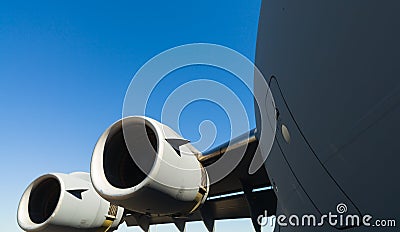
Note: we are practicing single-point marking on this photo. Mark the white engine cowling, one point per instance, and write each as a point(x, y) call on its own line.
point(66, 202)
point(145, 166)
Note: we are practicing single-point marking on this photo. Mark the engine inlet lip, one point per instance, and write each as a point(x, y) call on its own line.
point(97, 174)
point(23, 217)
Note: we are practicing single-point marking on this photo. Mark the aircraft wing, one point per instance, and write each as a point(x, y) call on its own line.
point(117, 190)
point(238, 195)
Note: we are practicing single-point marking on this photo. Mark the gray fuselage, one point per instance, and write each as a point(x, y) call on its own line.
point(334, 72)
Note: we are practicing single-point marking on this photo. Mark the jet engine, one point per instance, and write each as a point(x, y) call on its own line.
point(66, 203)
point(146, 167)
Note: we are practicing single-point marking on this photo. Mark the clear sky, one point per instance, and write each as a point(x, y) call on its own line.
point(65, 67)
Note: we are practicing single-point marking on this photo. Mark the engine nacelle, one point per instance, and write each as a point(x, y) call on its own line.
point(66, 203)
point(146, 167)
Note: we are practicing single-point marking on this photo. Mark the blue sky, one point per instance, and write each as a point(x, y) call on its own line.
point(65, 67)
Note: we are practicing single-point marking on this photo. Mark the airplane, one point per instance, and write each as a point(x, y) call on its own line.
point(332, 69)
